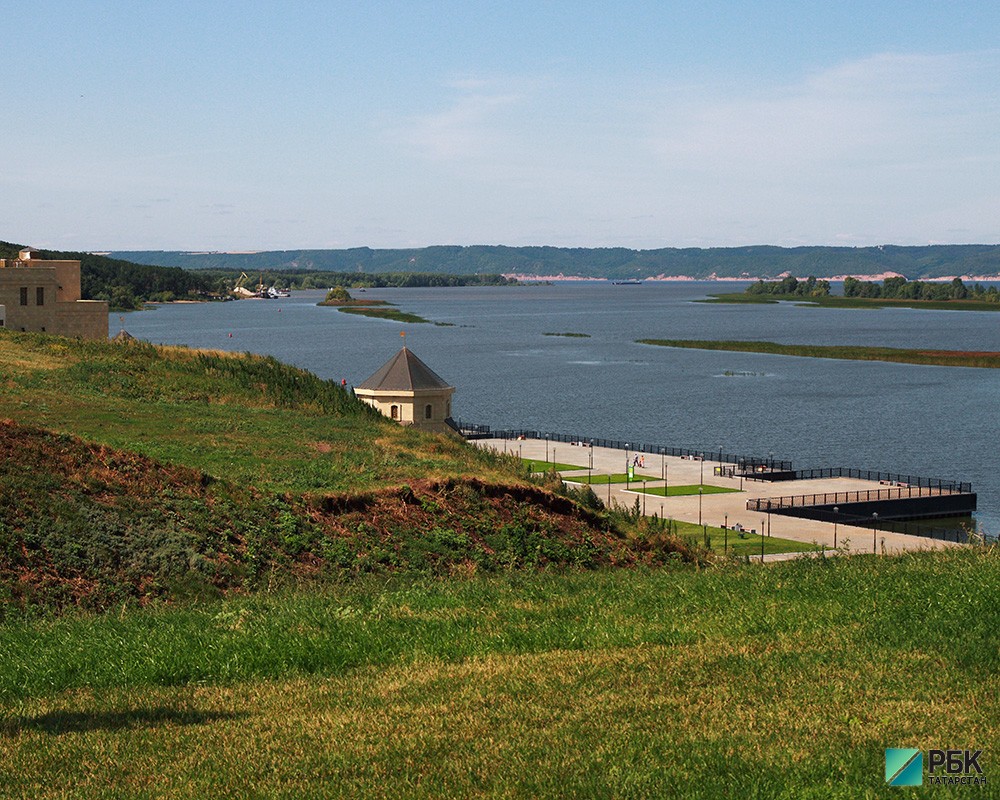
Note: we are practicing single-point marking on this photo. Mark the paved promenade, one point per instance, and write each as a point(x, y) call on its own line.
point(717, 509)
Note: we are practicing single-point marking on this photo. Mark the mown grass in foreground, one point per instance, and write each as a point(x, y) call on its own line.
point(944, 358)
point(783, 681)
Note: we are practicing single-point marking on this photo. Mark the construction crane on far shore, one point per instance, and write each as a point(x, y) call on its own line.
point(239, 289)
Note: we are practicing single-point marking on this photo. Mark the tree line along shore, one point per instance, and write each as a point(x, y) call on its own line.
point(952, 295)
point(128, 279)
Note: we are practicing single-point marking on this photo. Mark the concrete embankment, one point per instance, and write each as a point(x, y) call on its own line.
point(716, 509)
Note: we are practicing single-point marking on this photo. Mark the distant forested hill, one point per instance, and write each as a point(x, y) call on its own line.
point(763, 261)
point(125, 285)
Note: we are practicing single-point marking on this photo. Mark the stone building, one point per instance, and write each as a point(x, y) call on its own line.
point(407, 390)
point(43, 296)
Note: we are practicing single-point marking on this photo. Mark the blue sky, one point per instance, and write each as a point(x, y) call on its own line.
point(240, 126)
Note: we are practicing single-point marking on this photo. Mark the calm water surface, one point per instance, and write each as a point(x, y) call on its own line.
point(940, 422)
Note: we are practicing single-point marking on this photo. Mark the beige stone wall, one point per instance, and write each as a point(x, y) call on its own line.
point(86, 319)
point(68, 280)
point(61, 311)
point(411, 407)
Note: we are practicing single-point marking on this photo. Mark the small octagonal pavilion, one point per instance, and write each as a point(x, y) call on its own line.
point(407, 390)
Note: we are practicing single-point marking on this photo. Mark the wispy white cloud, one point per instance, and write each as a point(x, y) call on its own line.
point(893, 147)
point(888, 108)
point(472, 125)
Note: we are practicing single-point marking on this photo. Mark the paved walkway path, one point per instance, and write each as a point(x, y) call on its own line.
point(717, 509)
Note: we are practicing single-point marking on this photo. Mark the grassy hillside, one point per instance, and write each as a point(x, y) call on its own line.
point(781, 682)
point(247, 419)
point(132, 472)
point(361, 624)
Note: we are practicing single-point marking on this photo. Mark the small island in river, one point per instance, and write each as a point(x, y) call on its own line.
point(942, 358)
point(894, 291)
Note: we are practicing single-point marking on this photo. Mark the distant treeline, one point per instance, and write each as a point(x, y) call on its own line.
point(810, 287)
point(127, 285)
point(761, 261)
point(123, 284)
point(902, 289)
point(889, 289)
point(224, 280)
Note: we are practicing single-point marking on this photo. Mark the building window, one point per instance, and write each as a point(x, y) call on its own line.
point(24, 295)
point(40, 296)
point(428, 411)
point(394, 412)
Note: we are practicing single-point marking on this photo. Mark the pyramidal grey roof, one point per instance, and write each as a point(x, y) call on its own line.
point(404, 372)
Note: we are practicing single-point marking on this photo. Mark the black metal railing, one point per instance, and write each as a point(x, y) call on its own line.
point(475, 431)
point(892, 478)
point(912, 526)
point(845, 498)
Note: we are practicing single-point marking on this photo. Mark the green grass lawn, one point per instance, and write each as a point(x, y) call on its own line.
point(599, 479)
point(748, 544)
point(539, 465)
point(782, 681)
point(674, 491)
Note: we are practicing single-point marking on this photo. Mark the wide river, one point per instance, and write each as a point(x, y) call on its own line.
point(939, 422)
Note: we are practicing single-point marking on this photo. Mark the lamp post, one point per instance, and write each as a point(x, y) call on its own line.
point(700, 490)
point(701, 480)
point(644, 497)
point(836, 515)
point(875, 532)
